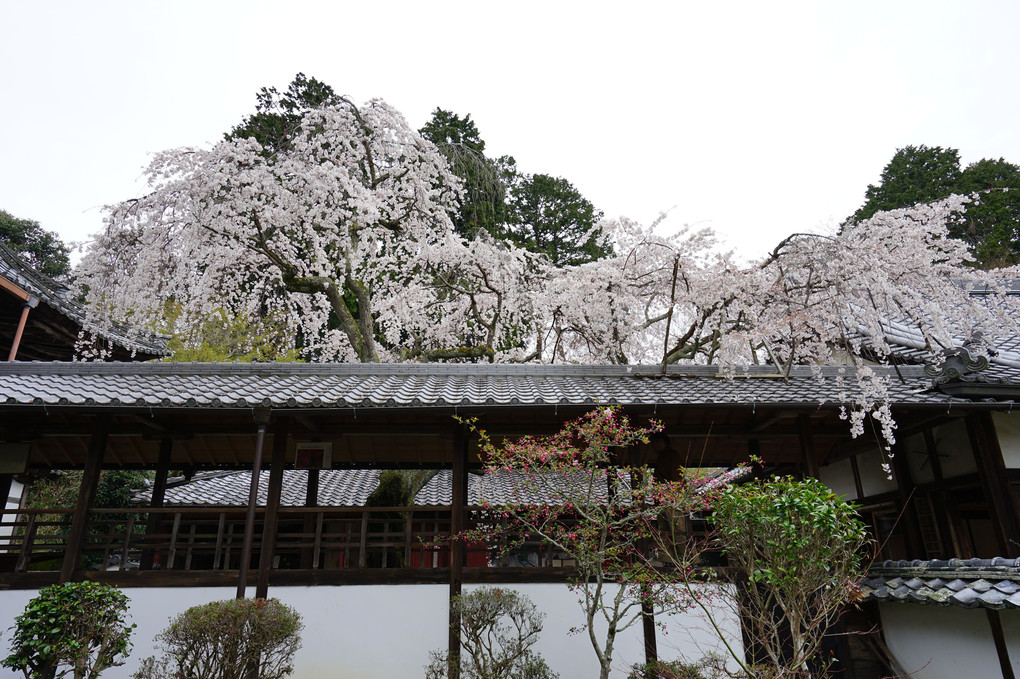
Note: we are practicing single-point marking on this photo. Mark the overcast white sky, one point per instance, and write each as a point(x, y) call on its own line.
point(757, 118)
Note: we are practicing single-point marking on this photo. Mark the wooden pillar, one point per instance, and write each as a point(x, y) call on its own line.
point(30, 304)
point(269, 526)
point(86, 496)
point(807, 446)
point(648, 627)
point(311, 500)
point(156, 502)
point(262, 418)
point(992, 472)
point(458, 500)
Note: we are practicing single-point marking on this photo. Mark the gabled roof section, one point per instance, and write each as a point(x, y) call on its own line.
point(344, 386)
point(56, 319)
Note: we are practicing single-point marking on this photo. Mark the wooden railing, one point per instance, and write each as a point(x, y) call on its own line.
point(211, 538)
point(193, 538)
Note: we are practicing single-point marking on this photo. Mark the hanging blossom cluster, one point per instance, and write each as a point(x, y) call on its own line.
point(345, 241)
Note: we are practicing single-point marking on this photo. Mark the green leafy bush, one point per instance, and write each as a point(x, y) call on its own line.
point(797, 551)
point(712, 666)
point(226, 640)
point(77, 628)
point(498, 628)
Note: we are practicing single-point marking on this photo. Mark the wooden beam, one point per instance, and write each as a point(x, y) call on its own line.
point(86, 496)
point(992, 471)
point(270, 523)
point(1000, 643)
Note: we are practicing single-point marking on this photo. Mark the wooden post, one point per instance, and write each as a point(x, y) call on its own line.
point(309, 555)
point(269, 525)
point(29, 305)
point(261, 417)
point(992, 472)
point(648, 627)
point(156, 502)
point(458, 500)
point(86, 497)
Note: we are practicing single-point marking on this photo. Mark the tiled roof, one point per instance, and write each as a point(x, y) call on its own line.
point(58, 296)
point(970, 583)
point(304, 385)
point(908, 344)
point(337, 488)
point(351, 488)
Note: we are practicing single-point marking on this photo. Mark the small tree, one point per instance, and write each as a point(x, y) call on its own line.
point(575, 495)
point(797, 549)
point(227, 640)
point(498, 629)
point(77, 628)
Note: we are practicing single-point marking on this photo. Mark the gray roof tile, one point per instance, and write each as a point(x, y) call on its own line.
point(297, 385)
point(970, 583)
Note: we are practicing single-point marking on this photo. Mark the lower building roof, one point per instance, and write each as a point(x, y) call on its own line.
point(968, 583)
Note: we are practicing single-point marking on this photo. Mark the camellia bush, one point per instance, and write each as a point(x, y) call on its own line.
point(228, 640)
point(797, 549)
point(75, 628)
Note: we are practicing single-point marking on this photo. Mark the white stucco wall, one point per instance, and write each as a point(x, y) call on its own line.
point(934, 642)
point(346, 634)
point(1007, 426)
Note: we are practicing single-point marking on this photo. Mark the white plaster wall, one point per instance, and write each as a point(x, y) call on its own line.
point(839, 478)
point(347, 636)
point(1007, 426)
point(934, 642)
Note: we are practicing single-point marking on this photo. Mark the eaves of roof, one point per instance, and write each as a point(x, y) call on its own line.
point(57, 296)
point(967, 583)
point(339, 386)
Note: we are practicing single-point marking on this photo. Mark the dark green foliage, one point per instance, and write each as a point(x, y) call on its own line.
point(277, 117)
point(397, 488)
point(42, 250)
point(76, 628)
point(991, 225)
point(498, 627)
point(226, 640)
point(60, 491)
point(549, 215)
point(483, 206)
point(919, 174)
point(916, 174)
